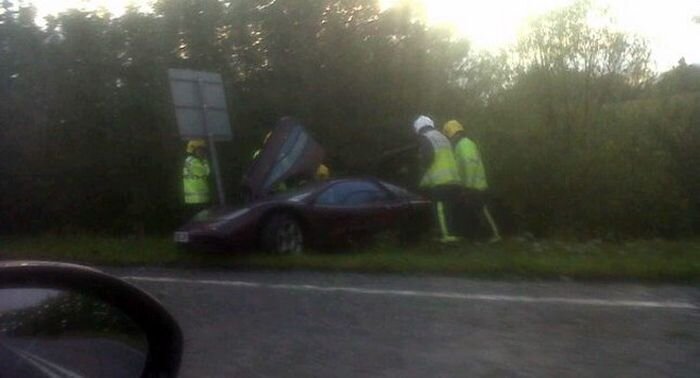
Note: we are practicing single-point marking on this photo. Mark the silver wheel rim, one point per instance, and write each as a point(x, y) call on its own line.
point(289, 239)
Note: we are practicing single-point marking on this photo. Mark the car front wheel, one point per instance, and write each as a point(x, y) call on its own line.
point(283, 234)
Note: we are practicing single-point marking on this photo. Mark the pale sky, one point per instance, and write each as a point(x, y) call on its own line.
point(494, 24)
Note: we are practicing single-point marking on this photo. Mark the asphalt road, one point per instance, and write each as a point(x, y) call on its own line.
point(347, 325)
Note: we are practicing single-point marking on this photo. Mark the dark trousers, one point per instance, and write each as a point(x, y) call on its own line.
point(468, 213)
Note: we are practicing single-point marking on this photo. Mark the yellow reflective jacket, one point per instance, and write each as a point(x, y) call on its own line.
point(471, 167)
point(195, 180)
point(443, 168)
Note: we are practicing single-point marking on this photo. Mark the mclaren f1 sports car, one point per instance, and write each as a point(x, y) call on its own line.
point(314, 213)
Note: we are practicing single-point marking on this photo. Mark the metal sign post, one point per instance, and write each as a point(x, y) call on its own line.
point(217, 171)
point(200, 108)
point(212, 146)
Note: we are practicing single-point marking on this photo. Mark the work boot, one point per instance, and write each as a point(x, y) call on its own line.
point(449, 239)
point(495, 239)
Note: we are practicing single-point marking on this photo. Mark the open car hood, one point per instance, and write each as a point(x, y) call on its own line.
point(289, 152)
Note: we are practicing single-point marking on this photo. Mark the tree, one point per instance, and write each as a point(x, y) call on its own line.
point(563, 130)
point(89, 140)
point(23, 114)
point(564, 41)
point(683, 78)
point(576, 67)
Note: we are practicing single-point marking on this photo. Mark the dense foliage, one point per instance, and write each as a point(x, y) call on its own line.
point(578, 135)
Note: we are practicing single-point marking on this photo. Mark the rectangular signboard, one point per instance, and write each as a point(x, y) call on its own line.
point(200, 104)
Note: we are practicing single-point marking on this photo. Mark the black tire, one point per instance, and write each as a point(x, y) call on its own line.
point(282, 234)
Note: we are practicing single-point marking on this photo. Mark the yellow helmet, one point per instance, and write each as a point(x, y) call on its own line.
point(451, 128)
point(195, 144)
point(323, 173)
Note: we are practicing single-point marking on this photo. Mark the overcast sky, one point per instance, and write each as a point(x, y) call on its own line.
point(495, 24)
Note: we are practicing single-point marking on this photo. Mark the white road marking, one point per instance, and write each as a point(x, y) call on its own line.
point(40, 367)
point(432, 294)
point(46, 367)
point(66, 373)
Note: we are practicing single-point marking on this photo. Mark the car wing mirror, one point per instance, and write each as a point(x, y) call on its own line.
point(64, 320)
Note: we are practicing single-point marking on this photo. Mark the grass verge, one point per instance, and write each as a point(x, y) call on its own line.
point(657, 261)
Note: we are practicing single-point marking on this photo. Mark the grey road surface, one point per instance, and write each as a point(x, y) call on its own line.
point(240, 324)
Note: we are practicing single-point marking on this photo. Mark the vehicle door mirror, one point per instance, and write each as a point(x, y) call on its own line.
point(61, 320)
point(67, 332)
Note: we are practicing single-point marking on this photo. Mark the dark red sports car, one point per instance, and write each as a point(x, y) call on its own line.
point(318, 212)
point(321, 213)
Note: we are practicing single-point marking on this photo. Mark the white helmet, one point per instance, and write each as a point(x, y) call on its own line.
point(422, 122)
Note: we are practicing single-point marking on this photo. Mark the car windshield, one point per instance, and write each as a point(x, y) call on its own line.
point(352, 193)
point(379, 188)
